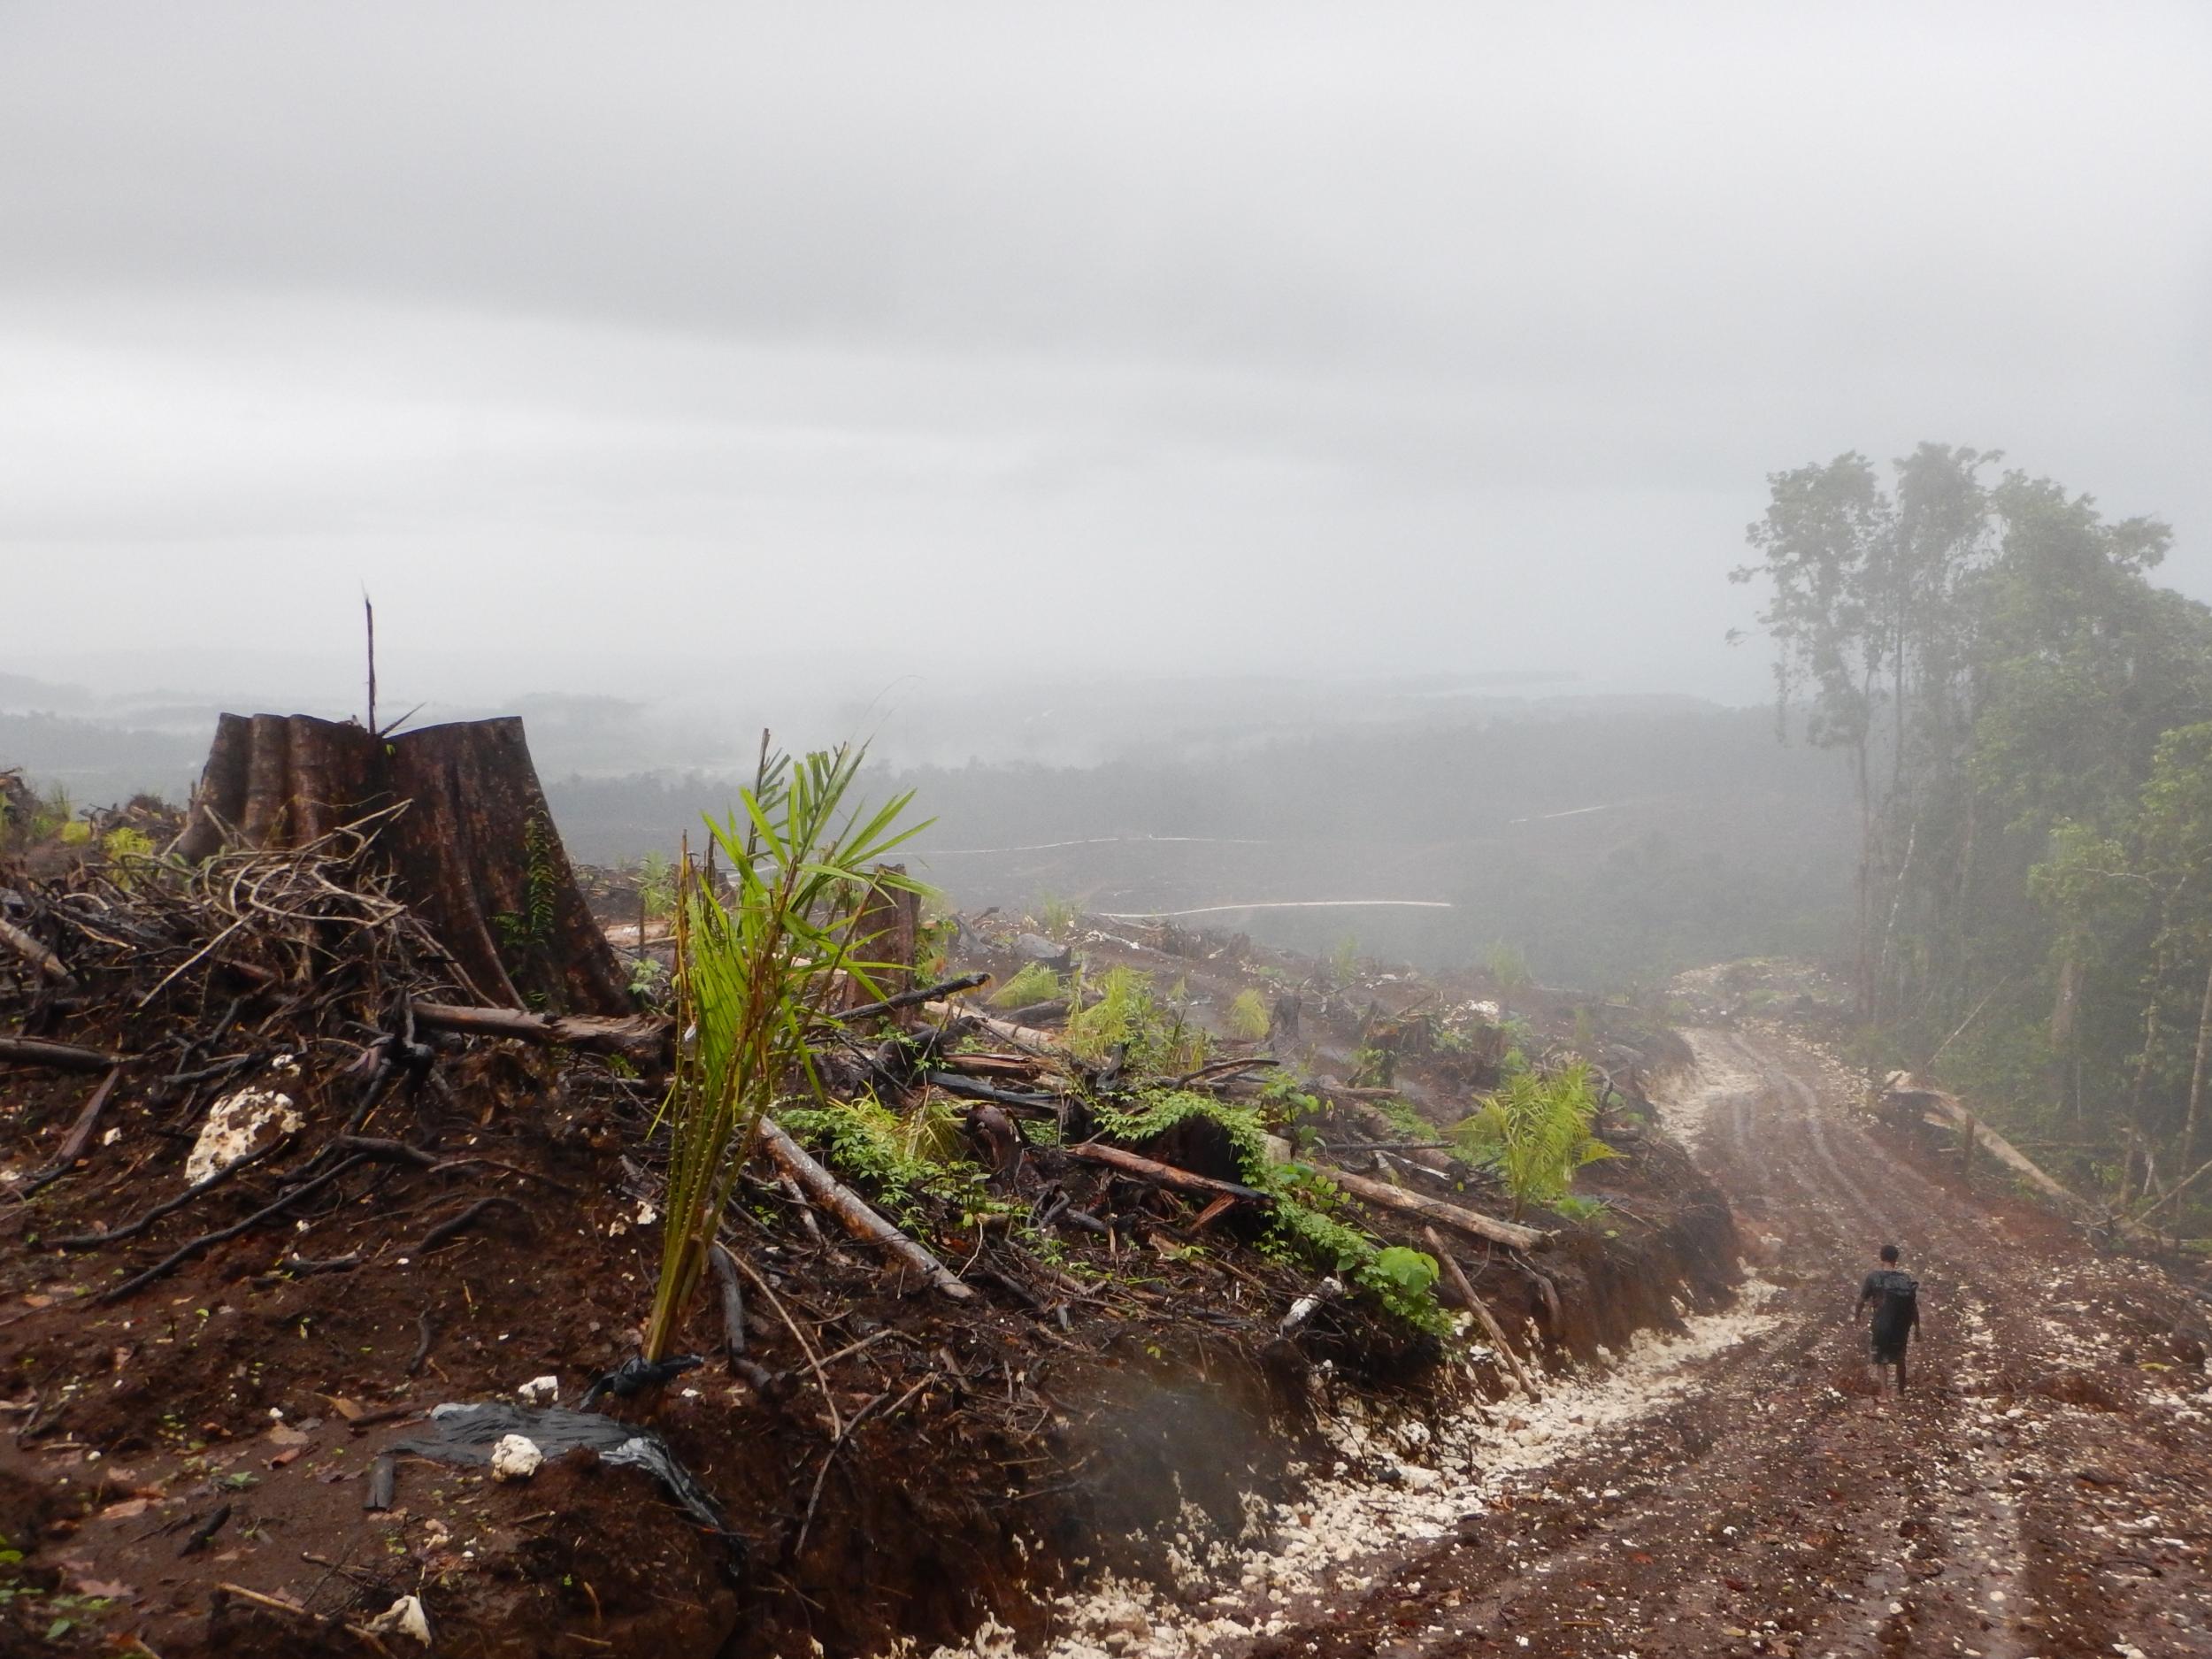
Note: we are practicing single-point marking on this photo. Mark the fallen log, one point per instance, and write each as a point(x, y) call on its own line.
point(27, 948)
point(1385, 1196)
point(1005, 1031)
point(968, 1089)
point(1168, 1175)
point(66, 1056)
point(1901, 1089)
point(636, 1036)
point(1020, 1067)
point(853, 1211)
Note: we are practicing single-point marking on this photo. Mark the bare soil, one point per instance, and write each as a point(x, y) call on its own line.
point(2042, 1489)
point(184, 1467)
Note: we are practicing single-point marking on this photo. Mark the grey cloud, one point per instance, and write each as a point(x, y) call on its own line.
point(1443, 336)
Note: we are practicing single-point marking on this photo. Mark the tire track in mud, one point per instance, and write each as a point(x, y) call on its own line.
point(1752, 1497)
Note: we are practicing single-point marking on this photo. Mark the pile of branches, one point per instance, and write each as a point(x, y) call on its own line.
point(136, 946)
point(178, 983)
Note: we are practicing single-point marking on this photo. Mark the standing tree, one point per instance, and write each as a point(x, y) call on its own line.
point(1870, 610)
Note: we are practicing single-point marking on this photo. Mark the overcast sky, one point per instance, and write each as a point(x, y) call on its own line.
point(604, 343)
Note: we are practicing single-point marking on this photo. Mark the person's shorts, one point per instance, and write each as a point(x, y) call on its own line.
point(1889, 1351)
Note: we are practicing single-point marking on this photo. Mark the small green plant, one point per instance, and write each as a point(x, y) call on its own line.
point(1410, 1273)
point(1344, 961)
point(123, 842)
point(1035, 983)
point(1249, 1016)
point(1535, 1132)
point(54, 815)
point(752, 975)
point(1373, 1068)
point(655, 886)
point(1305, 1225)
point(525, 936)
point(648, 979)
point(1401, 1117)
point(126, 848)
point(901, 1161)
point(1129, 1016)
point(1058, 917)
point(933, 945)
point(1577, 1208)
point(1126, 1014)
point(1507, 966)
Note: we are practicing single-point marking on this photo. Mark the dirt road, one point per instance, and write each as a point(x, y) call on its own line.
point(2045, 1490)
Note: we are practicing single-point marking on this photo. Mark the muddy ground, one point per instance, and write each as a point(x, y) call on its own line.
point(185, 1464)
point(2045, 1488)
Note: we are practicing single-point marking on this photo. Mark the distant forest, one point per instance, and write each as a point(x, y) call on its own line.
point(1607, 847)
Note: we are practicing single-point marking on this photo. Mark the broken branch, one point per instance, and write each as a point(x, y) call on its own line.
point(1385, 1196)
point(637, 1037)
point(1475, 1305)
point(847, 1206)
point(1160, 1174)
point(79, 1136)
point(67, 1057)
point(27, 948)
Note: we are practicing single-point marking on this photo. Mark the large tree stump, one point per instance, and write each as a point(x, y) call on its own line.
point(474, 853)
point(886, 939)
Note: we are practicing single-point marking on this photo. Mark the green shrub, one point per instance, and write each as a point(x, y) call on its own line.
point(1057, 917)
point(1508, 967)
point(899, 1161)
point(1035, 983)
point(1129, 1016)
point(1535, 1132)
point(656, 885)
point(1249, 1017)
point(1304, 1225)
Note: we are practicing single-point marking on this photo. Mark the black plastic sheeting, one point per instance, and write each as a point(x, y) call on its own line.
point(466, 1435)
point(636, 1374)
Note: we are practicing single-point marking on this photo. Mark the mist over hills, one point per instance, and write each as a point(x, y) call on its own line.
point(1608, 838)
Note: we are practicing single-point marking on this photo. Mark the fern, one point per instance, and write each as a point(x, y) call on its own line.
point(1535, 1132)
point(1035, 983)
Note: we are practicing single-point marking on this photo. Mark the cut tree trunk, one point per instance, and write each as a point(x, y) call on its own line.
point(474, 853)
point(886, 936)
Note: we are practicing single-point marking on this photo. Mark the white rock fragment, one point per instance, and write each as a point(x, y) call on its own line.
point(241, 1123)
point(540, 1391)
point(404, 1618)
point(515, 1457)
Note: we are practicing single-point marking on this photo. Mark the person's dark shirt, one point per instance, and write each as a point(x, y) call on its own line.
point(1894, 1316)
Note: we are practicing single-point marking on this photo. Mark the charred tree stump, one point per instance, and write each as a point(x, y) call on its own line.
point(474, 854)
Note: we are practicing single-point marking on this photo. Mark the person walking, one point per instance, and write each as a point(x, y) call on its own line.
point(1894, 1295)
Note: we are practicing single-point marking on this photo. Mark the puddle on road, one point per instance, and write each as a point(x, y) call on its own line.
point(1395, 1483)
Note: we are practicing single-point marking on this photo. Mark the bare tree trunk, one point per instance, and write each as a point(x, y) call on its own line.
point(2196, 1075)
point(1865, 966)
